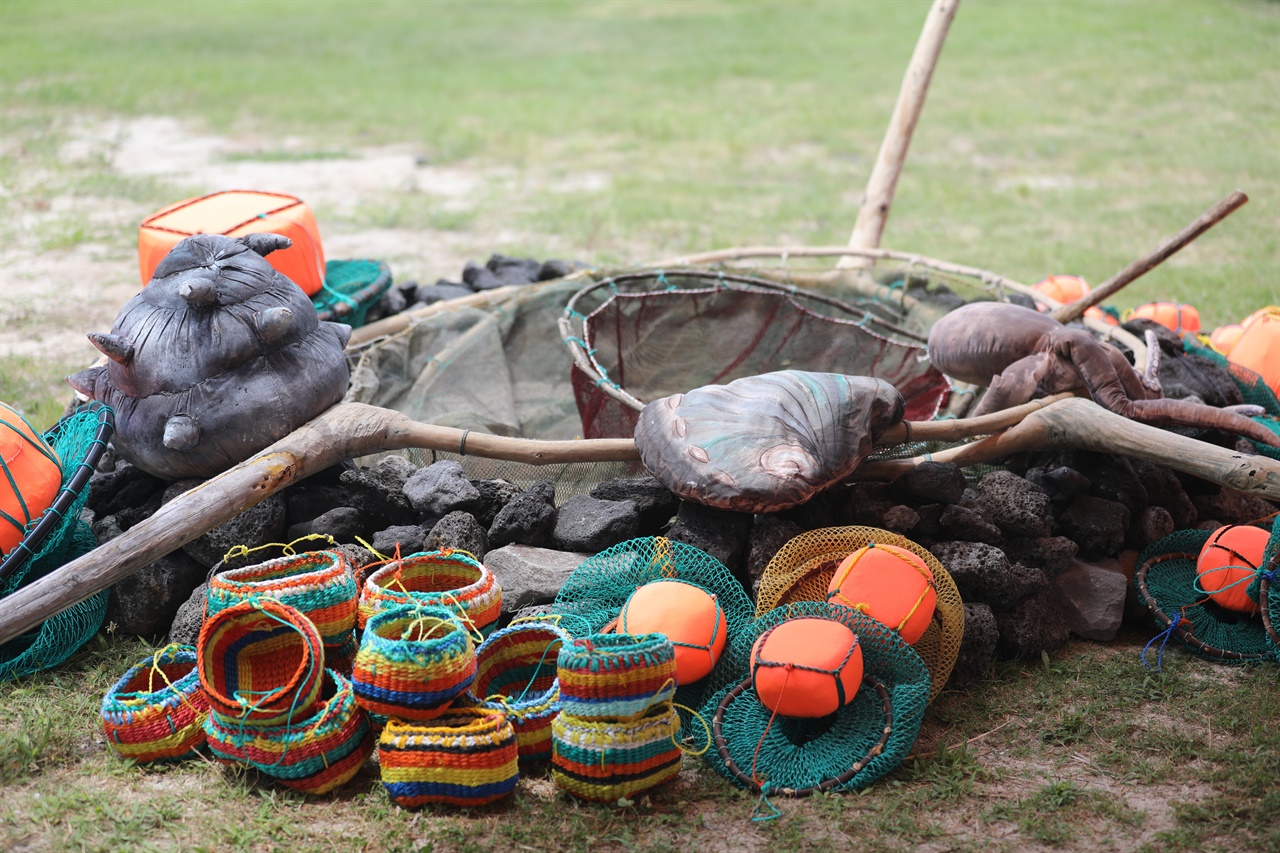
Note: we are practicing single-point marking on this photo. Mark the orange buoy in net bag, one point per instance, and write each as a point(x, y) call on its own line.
point(890, 584)
point(689, 615)
point(806, 667)
point(1258, 347)
point(235, 213)
point(1177, 316)
point(1228, 562)
point(1062, 288)
point(30, 476)
point(1224, 338)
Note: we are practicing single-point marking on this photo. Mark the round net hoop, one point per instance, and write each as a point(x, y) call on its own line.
point(803, 568)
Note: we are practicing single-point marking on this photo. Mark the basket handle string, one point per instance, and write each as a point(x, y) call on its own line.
point(706, 728)
point(362, 574)
point(243, 551)
point(156, 670)
point(541, 661)
point(458, 608)
point(1163, 636)
point(758, 814)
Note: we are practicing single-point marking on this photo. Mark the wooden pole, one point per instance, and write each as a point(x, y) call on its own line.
point(1142, 266)
point(897, 139)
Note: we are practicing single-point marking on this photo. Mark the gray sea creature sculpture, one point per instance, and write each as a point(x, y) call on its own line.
point(218, 357)
point(765, 443)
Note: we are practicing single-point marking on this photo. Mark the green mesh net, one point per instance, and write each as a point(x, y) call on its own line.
point(350, 289)
point(1264, 589)
point(1252, 388)
point(596, 591)
point(55, 538)
point(1166, 584)
point(843, 751)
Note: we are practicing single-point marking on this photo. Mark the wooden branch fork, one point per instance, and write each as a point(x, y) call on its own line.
point(351, 430)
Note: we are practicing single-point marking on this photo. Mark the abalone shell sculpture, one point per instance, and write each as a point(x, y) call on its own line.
point(217, 358)
point(765, 443)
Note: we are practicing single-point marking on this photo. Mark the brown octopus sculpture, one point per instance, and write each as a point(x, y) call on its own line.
point(1021, 354)
point(218, 357)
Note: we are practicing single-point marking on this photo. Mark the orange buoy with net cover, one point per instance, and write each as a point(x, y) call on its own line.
point(1227, 563)
point(689, 615)
point(1178, 316)
point(806, 667)
point(890, 584)
point(1224, 338)
point(1258, 347)
point(30, 476)
point(235, 213)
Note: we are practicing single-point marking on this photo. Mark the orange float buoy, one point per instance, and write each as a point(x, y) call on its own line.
point(235, 213)
point(1258, 347)
point(1062, 289)
point(806, 667)
point(30, 476)
point(1178, 316)
point(890, 584)
point(1228, 562)
point(1224, 338)
point(691, 618)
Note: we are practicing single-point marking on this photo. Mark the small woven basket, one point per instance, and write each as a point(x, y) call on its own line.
point(452, 578)
point(516, 674)
point(605, 760)
point(317, 583)
point(615, 675)
point(414, 660)
point(156, 712)
point(260, 662)
point(313, 755)
point(466, 757)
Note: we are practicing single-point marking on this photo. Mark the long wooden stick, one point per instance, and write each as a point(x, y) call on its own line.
point(1142, 266)
point(869, 225)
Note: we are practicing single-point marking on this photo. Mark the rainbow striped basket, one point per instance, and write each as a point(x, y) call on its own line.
point(516, 674)
point(615, 675)
point(605, 760)
point(156, 712)
point(260, 662)
point(414, 660)
point(452, 578)
point(320, 584)
point(466, 757)
point(313, 755)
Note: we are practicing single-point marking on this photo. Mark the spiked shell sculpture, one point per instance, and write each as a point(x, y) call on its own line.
point(218, 357)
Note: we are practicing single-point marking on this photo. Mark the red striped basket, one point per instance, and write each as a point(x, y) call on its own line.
point(452, 578)
point(516, 674)
point(313, 755)
point(156, 712)
point(260, 662)
point(466, 757)
point(414, 660)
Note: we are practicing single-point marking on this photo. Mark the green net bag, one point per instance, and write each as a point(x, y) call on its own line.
point(1263, 589)
point(350, 289)
point(1166, 583)
point(850, 749)
point(58, 536)
point(1252, 388)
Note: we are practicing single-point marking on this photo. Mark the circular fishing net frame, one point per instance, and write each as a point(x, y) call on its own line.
point(803, 568)
point(1166, 583)
point(847, 750)
point(350, 289)
point(1262, 589)
point(58, 536)
point(595, 592)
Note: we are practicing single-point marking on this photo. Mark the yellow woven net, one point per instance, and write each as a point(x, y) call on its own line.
point(803, 568)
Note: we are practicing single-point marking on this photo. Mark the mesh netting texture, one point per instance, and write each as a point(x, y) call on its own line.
point(1264, 589)
point(803, 568)
point(350, 289)
point(1252, 387)
point(1166, 583)
point(844, 751)
point(56, 538)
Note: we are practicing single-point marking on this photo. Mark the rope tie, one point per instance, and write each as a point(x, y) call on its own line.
point(706, 729)
point(1163, 636)
point(759, 813)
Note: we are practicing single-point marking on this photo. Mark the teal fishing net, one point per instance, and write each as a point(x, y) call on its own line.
point(1264, 589)
point(55, 538)
point(1166, 584)
point(1252, 388)
point(843, 751)
point(350, 289)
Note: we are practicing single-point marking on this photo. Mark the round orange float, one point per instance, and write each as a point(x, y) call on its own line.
point(806, 667)
point(1178, 316)
point(890, 584)
point(1228, 562)
point(32, 476)
point(1062, 288)
point(1224, 338)
point(690, 617)
point(1258, 347)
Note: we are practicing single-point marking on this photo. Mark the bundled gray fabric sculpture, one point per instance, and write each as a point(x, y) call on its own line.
point(218, 357)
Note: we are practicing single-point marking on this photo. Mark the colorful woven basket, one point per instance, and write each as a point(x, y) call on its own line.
point(516, 673)
point(605, 760)
point(260, 662)
point(466, 757)
point(317, 583)
point(156, 712)
point(313, 755)
point(452, 578)
point(413, 662)
point(343, 658)
point(615, 675)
